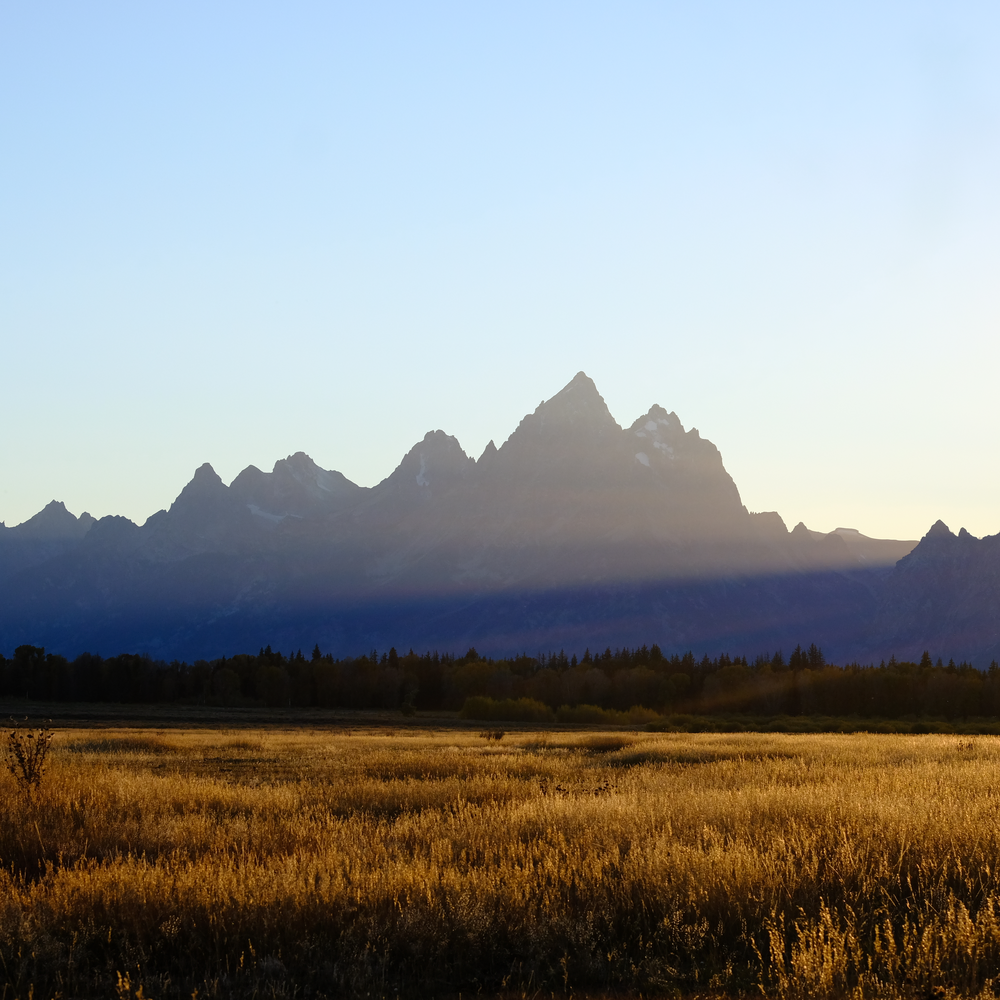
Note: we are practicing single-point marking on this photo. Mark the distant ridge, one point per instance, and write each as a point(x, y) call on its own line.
point(573, 527)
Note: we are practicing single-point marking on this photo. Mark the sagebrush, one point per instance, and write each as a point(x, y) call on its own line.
point(25, 752)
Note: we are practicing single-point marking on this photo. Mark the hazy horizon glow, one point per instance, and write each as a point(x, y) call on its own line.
point(235, 233)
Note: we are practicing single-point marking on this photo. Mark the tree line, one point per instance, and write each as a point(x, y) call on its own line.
point(622, 679)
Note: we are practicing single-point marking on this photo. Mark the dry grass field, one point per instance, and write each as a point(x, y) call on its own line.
point(412, 862)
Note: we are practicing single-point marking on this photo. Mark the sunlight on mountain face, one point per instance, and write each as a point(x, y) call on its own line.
point(575, 532)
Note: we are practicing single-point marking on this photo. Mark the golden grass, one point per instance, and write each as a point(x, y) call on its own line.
point(281, 863)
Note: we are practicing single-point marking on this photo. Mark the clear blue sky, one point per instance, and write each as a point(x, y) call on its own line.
point(231, 231)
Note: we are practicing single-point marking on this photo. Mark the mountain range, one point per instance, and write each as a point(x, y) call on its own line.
point(575, 533)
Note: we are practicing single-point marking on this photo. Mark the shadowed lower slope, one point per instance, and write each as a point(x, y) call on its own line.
point(575, 531)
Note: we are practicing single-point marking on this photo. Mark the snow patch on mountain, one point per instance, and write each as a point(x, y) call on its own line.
point(257, 512)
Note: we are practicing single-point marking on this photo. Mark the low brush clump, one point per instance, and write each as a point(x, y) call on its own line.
point(121, 744)
point(794, 866)
point(25, 754)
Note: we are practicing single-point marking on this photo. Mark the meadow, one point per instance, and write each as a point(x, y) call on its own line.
point(280, 862)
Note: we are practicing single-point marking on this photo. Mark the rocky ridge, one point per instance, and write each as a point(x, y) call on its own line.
point(574, 526)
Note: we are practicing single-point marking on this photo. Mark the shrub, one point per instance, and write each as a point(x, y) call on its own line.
point(129, 744)
point(637, 715)
point(25, 752)
point(594, 715)
point(485, 709)
point(605, 743)
point(588, 714)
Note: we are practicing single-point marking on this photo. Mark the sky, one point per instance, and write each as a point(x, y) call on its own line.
point(234, 231)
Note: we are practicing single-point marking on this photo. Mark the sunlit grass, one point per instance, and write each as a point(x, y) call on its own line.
point(285, 862)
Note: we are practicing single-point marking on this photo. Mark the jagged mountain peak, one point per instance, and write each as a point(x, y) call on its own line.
point(54, 510)
point(315, 480)
point(115, 529)
point(939, 530)
point(658, 421)
point(656, 434)
point(299, 466)
point(578, 404)
point(661, 416)
point(299, 462)
point(205, 475)
point(205, 485)
point(54, 522)
point(441, 441)
point(437, 459)
point(251, 474)
point(939, 542)
point(296, 486)
point(564, 429)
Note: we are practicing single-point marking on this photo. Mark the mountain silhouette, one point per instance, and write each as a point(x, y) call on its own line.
point(574, 532)
point(944, 595)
